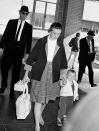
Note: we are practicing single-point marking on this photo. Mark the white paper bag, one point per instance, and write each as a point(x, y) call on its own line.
point(23, 104)
point(19, 86)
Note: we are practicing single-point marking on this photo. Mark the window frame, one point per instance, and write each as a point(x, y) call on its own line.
point(45, 12)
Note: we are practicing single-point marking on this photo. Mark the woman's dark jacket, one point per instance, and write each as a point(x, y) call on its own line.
point(38, 59)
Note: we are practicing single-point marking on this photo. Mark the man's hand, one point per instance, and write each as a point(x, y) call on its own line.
point(27, 67)
point(77, 98)
point(25, 58)
point(1, 51)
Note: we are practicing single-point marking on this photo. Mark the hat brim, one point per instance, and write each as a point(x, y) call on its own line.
point(90, 34)
point(24, 11)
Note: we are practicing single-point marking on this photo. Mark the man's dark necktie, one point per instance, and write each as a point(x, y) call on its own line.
point(72, 87)
point(17, 33)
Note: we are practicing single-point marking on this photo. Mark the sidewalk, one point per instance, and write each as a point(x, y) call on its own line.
point(85, 86)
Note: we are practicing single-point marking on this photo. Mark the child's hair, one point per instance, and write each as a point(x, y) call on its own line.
point(71, 71)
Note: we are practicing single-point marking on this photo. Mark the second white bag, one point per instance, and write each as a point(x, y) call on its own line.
point(19, 86)
point(23, 104)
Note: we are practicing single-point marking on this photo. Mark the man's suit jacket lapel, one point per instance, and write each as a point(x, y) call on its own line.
point(46, 47)
point(15, 25)
point(85, 44)
point(86, 41)
point(88, 45)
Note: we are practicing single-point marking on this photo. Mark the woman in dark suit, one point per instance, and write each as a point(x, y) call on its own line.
point(86, 57)
point(47, 63)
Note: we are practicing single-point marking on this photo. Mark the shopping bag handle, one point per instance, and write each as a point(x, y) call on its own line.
point(26, 78)
point(25, 91)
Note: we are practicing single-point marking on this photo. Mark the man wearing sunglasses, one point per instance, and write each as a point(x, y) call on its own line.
point(16, 46)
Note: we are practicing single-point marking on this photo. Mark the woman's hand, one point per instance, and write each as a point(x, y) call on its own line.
point(27, 67)
point(26, 78)
point(77, 98)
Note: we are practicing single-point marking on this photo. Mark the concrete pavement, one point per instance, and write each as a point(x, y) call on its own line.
point(85, 86)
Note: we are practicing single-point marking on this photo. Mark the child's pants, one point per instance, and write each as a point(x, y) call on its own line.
point(65, 106)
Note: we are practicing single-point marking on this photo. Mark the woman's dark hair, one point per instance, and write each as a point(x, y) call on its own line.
point(55, 25)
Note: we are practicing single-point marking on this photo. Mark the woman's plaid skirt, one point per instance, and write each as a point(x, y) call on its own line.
point(44, 90)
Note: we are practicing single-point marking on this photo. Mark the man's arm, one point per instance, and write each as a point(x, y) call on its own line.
point(28, 46)
point(5, 35)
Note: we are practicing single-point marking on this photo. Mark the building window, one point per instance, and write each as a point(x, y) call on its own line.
point(91, 9)
point(43, 15)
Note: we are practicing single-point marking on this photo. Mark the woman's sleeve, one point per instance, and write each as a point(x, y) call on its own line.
point(64, 64)
point(33, 54)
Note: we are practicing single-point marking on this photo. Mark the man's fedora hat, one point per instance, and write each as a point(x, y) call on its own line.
point(91, 33)
point(24, 9)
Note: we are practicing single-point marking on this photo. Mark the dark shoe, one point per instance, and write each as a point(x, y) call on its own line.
point(12, 96)
point(93, 85)
point(72, 68)
point(78, 82)
point(2, 89)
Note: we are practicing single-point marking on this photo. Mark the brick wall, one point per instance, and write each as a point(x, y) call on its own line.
point(74, 16)
point(69, 13)
point(61, 12)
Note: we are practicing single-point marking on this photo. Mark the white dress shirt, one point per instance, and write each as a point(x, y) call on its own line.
point(90, 45)
point(23, 22)
point(51, 49)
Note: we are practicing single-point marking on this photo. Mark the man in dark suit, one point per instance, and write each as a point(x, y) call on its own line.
point(16, 46)
point(86, 57)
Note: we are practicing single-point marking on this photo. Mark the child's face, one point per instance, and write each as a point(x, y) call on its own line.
point(71, 76)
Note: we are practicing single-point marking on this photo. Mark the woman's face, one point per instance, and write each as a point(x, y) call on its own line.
point(55, 33)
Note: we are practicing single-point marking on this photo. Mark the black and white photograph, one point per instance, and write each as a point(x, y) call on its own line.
point(49, 65)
